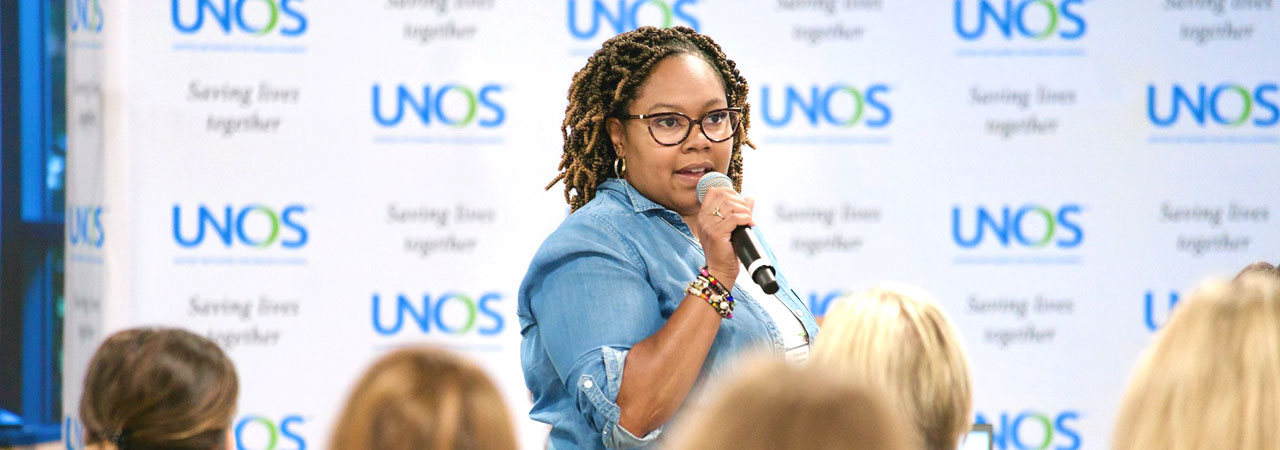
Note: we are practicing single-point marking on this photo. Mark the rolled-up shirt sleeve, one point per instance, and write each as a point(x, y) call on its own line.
point(593, 302)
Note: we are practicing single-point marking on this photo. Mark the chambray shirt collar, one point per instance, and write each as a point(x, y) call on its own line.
point(639, 203)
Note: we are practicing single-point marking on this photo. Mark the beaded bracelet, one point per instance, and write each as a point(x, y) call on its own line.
point(709, 289)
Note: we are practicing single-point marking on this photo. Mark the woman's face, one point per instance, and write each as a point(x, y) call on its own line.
point(669, 175)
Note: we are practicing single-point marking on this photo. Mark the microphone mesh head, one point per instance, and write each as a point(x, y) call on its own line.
point(712, 180)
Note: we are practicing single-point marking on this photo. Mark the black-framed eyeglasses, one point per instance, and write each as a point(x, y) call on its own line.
point(672, 128)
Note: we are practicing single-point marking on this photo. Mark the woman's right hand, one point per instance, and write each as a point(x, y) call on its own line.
point(714, 231)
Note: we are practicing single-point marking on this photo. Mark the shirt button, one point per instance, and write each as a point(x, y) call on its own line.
point(587, 384)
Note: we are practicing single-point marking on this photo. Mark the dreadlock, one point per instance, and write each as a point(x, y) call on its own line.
point(605, 87)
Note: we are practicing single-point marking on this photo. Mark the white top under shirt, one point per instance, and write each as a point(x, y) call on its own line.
point(794, 340)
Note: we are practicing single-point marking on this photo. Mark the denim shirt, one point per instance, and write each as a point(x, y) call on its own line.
point(607, 278)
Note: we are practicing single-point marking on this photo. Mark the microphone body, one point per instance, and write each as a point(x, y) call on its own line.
point(743, 240)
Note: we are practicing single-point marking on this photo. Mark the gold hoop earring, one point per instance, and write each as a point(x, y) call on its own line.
point(620, 171)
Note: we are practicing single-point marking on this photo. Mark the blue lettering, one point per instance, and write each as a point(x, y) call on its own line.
point(1017, 426)
point(985, 10)
point(290, 434)
point(499, 114)
point(86, 227)
point(73, 434)
point(86, 15)
point(764, 107)
point(983, 220)
point(817, 104)
point(1149, 309)
point(680, 13)
point(819, 305)
point(439, 105)
point(227, 13)
point(223, 17)
point(810, 109)
point(623, 16)
point(286, 219)
point(428, 106)
point(1008, 433)
point(300, 21)
point(465, 326)
point(1065, 223)
point(1179, 98)
point(489, 312)
point(426, 313)
point(1022, 23)
point(879, 105)
point(1069, 432)
point(598, 10)
point(403, 96)
point(1213, 104)
point(1010, 17)
point(1017, 228)
point(270, 22)
point(275, 226)
point(1261, 101)
point(1073, 17)
point(205, 218)
point(97, 225)
point(422, 317)
point(858, 104)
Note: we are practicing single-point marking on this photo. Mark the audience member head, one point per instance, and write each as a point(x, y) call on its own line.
point(1262, 267)
point(1211, 378)
point(158, 388)
point(896, 337)
point(771, 405)
point(423, 398)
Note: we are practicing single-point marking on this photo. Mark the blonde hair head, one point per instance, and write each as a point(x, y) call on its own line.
point(424, 398)
point(771, 405)
point(895, 336)
point(1211, 378)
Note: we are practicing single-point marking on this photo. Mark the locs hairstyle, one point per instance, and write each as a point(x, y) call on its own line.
point(605, 87)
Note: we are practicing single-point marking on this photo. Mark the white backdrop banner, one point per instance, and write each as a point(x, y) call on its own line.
point(312, 183)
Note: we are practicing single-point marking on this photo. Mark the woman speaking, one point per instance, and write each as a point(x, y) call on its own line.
point(637, 296)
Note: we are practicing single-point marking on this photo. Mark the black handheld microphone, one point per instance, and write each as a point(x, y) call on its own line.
point(743, 239)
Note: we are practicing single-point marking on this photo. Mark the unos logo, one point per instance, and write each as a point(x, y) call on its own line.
point(256, 17)
point(819, 303)
point(626, 15)
point(1031, 430)
point(838, 105)
point(260, 433)
point(1032, 226)
point(450, 312)
point(1035, 19)
point(1227, 104)
point(1151, 306)
point(463, 105)
point(84, 227)
point(85, 15)
point(254, 225)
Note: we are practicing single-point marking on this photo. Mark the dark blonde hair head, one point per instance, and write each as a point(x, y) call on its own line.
point(775, 406)
point(424, 398)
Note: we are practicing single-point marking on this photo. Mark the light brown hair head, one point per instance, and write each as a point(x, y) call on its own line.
point(424, 398)
point(158, 388)
point(775, 406)
point(1211, 378)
